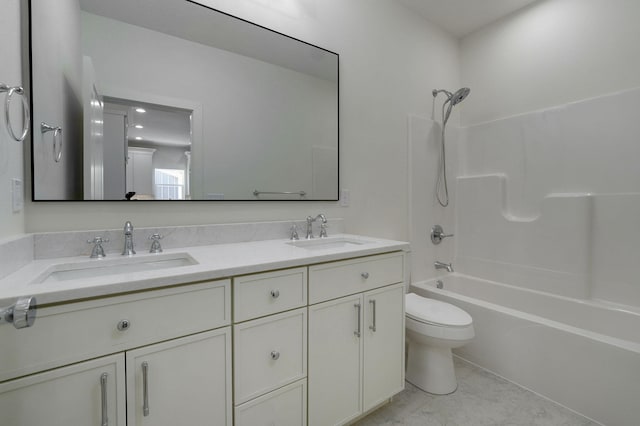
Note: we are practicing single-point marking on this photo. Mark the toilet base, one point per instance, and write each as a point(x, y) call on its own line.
point(430, 368)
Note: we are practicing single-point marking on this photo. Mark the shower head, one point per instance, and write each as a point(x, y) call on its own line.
point(459, 96)
point(454, 98)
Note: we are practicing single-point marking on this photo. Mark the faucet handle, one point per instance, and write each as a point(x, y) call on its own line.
point(323, 229)
point(437, 234)
point(98, 240)
point(294, 232)
point(98, 250)
point(155, 245)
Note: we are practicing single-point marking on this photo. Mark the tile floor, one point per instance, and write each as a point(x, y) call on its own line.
point(482, 399)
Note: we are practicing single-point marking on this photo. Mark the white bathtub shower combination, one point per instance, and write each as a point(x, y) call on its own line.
point(546, 248)
point(583, 355)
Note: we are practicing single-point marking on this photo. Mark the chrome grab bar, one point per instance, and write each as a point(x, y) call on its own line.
point(25, 111)
point(300, 193)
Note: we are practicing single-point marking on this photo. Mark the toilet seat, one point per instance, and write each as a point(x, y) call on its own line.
point(435, 312)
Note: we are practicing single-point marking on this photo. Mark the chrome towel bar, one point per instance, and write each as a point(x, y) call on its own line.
point(300, 193)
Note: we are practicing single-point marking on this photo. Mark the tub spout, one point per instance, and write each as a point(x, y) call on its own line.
point(442, 265)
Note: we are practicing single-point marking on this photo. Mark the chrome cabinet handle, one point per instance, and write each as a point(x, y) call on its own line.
point(372, 327)
point(364, 275)
point(275, 355)
point(124, 325)
point(358, 308)
point(145, 388)
point(275, 293)
point(103, 394)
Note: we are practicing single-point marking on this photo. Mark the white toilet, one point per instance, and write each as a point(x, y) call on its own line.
point(433, 329)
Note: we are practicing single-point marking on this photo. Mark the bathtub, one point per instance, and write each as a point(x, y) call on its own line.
point(582, 354)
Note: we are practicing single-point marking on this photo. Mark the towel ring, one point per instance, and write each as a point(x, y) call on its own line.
point(57, 139)
point(25, 109)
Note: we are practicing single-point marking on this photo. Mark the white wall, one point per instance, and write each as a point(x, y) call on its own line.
point(390, 60)
point(11, 152)
point(551, 53)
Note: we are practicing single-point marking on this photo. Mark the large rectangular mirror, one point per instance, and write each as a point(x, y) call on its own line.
point(173, 100)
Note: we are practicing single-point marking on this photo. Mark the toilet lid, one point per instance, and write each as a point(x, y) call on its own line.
point(433, 311)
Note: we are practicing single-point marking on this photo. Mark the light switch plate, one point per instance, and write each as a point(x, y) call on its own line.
point(345, 197)
point(17, 194)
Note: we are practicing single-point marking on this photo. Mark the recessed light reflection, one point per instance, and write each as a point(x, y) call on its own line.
point(139, 126)
point(141, 110)
point(138, 138)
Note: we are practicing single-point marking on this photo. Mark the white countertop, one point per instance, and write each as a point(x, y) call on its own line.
point(214, 262)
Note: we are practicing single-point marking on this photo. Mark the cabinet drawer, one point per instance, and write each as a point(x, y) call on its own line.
point(337, 279)
point(283, 407)
point(265, 294)
point(269, 353)
point(76, 331)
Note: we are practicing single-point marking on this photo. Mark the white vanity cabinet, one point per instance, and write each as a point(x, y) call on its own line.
point(182, 333)
point(270, 348)
point(356, 342)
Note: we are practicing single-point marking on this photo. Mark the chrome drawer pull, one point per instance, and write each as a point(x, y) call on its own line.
point(145, 388)
point(358, 308)
point(372, 327)
point(275, 293)
point(275, 355)
point(365, 275)
point(103, 394)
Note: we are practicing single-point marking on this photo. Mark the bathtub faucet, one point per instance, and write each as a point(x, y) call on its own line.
point(442, 265)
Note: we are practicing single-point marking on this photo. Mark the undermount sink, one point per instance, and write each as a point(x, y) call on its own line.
point(114, 266)
point(327, 243)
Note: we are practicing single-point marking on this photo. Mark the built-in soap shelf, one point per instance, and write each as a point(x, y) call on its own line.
point(503, 182)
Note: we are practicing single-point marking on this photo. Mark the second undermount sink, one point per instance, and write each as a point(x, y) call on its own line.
point(113, 266)
point(327, 243)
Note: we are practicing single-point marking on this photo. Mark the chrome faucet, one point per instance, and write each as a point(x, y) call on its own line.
point(128, 240)
point(323, 226)
point(442, 265)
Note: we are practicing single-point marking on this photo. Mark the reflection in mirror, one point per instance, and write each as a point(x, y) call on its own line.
point(233, 111)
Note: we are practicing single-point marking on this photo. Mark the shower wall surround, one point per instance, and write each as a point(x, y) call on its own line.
point(550, 200)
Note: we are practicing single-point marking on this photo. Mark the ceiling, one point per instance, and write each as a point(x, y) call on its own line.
point(462, 17)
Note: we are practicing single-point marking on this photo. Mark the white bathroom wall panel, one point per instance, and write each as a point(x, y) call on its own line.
point(11, 152)
point(616, 250)
point(548, 253)
point(424, 210)
point(588, 147)
point(390, 60)
point(550, 53)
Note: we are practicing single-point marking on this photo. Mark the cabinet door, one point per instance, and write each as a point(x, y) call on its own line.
point(88, 393)
point(335, 361)
point(182, 381)
point(383, 332)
